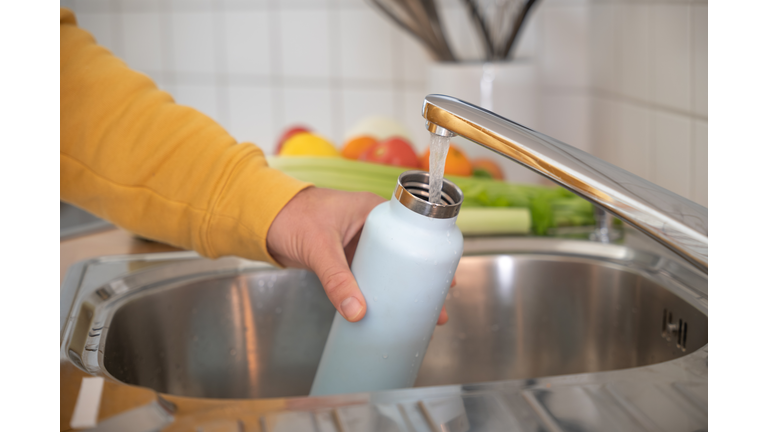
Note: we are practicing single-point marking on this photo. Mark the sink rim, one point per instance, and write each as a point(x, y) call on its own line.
point(189, 265)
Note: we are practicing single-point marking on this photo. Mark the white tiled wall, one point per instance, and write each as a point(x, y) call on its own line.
point(649, 90)
point(259, 66)
point(623, 79)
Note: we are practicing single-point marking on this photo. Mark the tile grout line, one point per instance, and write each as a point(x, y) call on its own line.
point(166, 48)
point(221, 68)
point(612, 135)
point(117, 28)
point(398, 62)
point(276, 84)
point(617, 97)
point(652, 148)
point(336, 81)
point(253, 79)
point(692, 31)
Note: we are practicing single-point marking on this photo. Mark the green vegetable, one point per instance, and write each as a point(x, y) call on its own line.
point(494, 220)
point(490, 206)
point(481, 173)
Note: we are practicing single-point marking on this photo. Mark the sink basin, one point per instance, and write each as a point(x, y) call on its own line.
point(520, 310)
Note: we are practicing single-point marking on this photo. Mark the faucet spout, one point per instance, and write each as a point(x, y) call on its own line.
point(439, 130)
point(674, 221)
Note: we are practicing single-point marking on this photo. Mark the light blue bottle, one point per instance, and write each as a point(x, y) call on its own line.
point(406, 258)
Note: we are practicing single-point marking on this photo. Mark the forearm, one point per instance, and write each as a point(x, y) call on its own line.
point(164, 171)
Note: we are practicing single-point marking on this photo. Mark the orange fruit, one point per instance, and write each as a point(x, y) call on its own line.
point(357, 146)
point(488, 166)
point(456, 163)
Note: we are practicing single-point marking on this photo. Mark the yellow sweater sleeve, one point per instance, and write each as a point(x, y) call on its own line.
point(130, 155)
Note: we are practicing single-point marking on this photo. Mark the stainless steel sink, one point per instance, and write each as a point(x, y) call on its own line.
point(543, 326)
point(260, 333)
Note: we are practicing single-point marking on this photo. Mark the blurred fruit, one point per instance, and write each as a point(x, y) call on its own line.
point(308, 144)
point(483, 167)
point(357, 146)
point(291, 131)
point(378, 127)
point(394, 151)
point(456, 163)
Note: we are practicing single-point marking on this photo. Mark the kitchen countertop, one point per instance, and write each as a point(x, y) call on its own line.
point(113, 242)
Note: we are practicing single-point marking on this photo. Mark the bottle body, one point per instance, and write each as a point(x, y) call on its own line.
point(404, 264)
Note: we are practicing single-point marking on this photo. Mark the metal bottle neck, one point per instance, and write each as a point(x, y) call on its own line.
point(413, 192)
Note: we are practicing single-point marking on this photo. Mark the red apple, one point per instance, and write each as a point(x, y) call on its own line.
point(393, 151)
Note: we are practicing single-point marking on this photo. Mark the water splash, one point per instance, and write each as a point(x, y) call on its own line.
point(438, 150)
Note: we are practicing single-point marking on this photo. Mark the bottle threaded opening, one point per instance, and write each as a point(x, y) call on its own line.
point(413, 192)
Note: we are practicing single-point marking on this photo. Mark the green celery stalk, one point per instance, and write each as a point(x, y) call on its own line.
point(490, 206)
point(494, 220)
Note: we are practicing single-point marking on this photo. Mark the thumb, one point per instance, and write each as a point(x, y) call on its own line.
point(330, 265)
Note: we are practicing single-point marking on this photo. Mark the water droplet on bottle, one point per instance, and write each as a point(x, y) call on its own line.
point(194, 311)
point(194, 338)
point(375, 298)
point(384, 356)
point(416, 301)
point(417, 354)
point(278, 310)
point(232, 352)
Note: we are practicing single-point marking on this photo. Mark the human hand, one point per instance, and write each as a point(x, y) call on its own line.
point(318, 230)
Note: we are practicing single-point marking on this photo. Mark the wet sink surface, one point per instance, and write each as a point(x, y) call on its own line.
point(259, 332)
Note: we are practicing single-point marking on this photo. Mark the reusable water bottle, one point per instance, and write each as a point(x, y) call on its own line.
point(404, 263)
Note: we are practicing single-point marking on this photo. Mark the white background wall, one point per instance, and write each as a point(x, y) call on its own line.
point(623, 79)
point(648, 88)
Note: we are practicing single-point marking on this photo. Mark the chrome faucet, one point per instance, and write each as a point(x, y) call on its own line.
point(674, 221)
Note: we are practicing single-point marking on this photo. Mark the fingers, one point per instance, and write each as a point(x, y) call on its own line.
point(329, 262)
point(443, 318)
